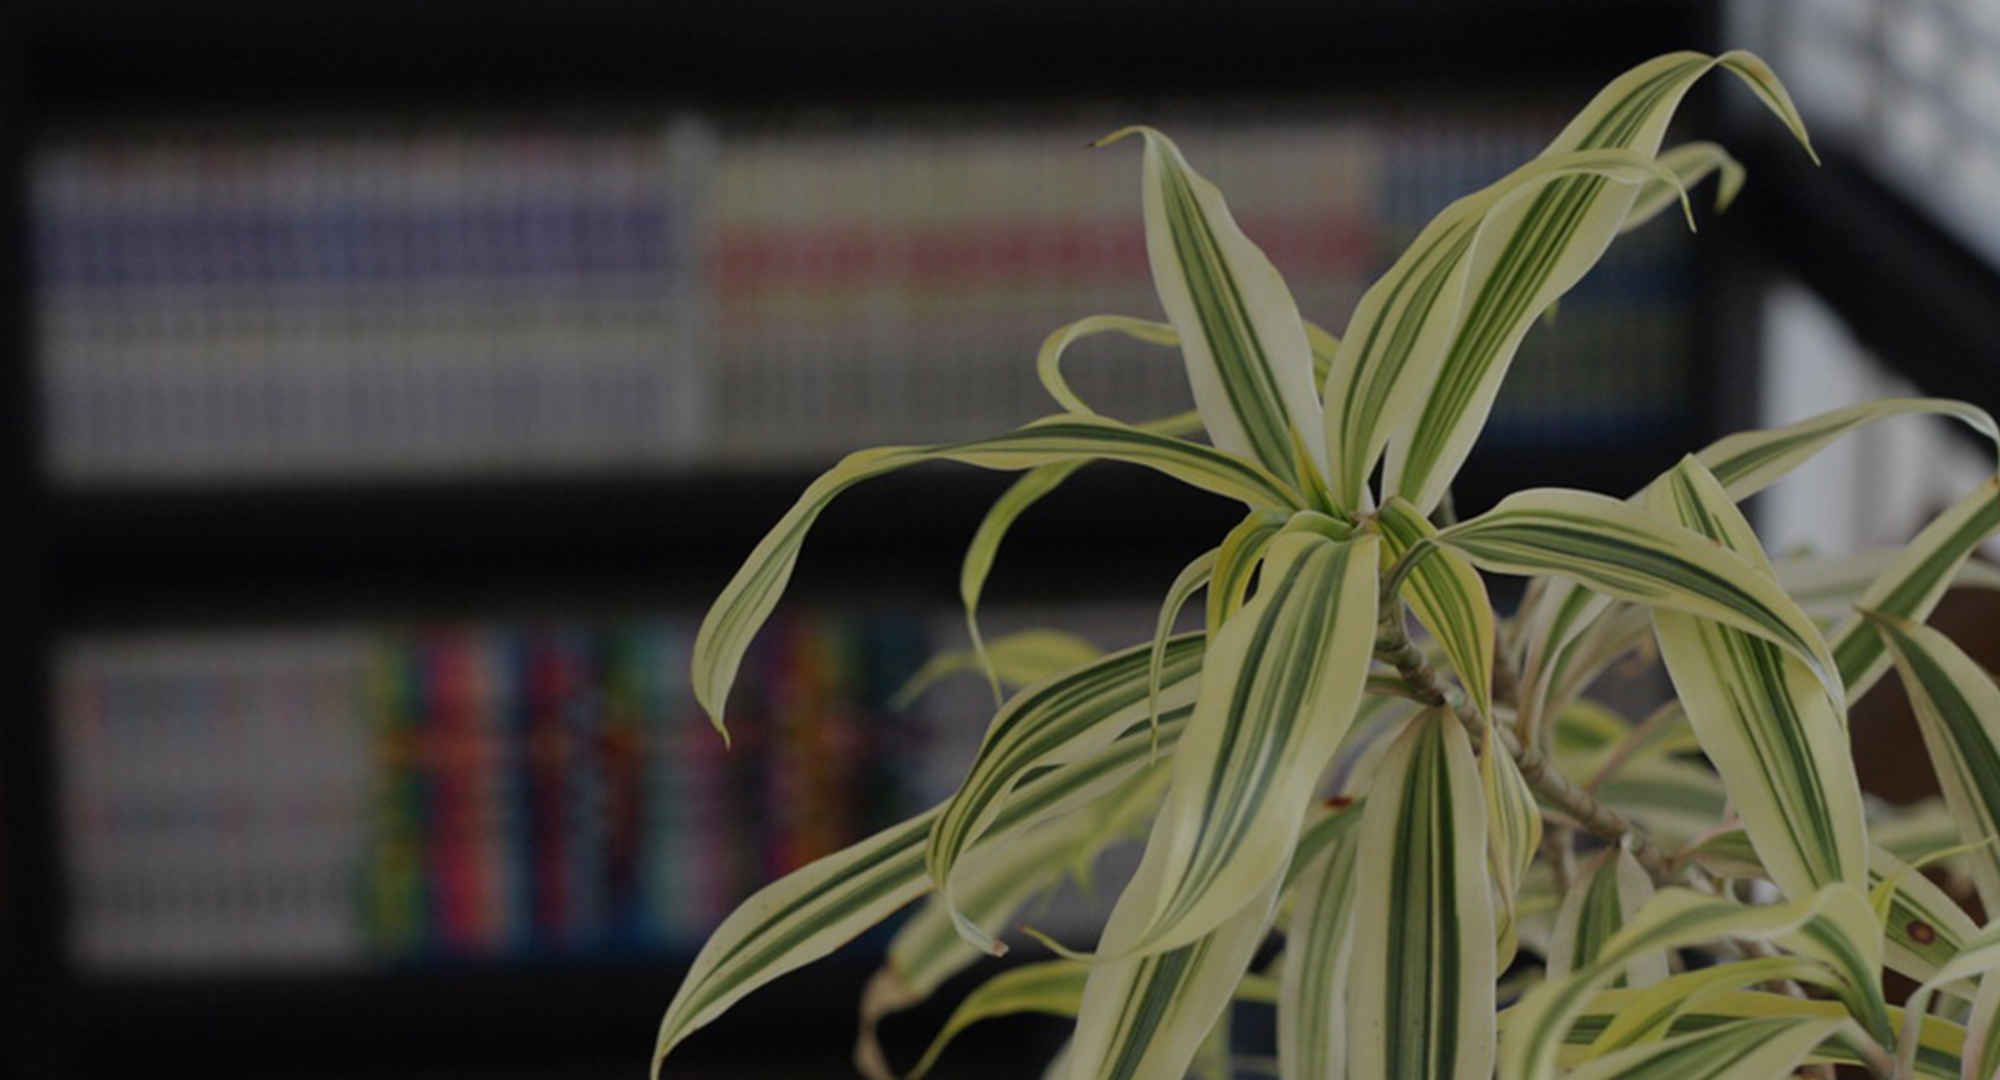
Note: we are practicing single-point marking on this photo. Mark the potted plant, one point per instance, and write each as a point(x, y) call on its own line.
point(1474, 868)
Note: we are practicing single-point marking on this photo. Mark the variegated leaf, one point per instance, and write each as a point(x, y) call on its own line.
point(1513, 834)
point(1538, 249)
point(1280, 685)
point(1822, 926)
point(1619, 549)
point(1924, 928)
point(1049, 364)
point(1312, 1003)
point(1780, 745)
point(1980, 1058)
point(1743, 1050)
point(1690, 163)
point(812, 911)
point(1245, 345)
point(1913, 583)
point(1937, 1053)
point(1830, 585)
point(751, 595)
point(1613, 889)
point(1649, 1013)
point(1423, 923)
point(1449, 600)
point(1980, 957)
point(927, 949)
point(1236, 563)
point(1401, 330)
point(1750, 461)
point(1014, 661)
point(1052, 987)
point(1145, 1015)
point(1958, 711)
point(1056, 720)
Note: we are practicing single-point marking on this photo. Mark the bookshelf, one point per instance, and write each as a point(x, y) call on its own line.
point(109, 551)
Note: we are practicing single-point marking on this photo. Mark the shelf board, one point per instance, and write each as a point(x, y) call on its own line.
point(137, 556)
point(104, 54)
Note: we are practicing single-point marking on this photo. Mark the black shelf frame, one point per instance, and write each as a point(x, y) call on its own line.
point(100, 558)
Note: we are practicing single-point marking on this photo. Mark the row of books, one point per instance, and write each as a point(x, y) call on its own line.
point(228, 304)
point(324, 799)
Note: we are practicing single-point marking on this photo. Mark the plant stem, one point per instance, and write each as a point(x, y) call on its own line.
point(1394, 647)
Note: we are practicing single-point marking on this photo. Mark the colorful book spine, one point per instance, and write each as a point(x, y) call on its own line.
point(460, 793)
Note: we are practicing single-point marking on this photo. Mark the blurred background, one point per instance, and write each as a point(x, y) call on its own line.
point(385, 388)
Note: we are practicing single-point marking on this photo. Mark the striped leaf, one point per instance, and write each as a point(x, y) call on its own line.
point(927, 949)
point(1021, 495)
point(751, 595)
point(1423, 922)
point(1829, 585)
point(1823, 927)
point(1913, 583)
point(1144, 1015)
point(1449, 600)
point(1280, 686)
point(1750, 461)
point(1013, 661)
point(1538, 248)
point(1924, 928)
point(1743, 1050)
point(1648, 1014)
point(1690, 163)
point(1052, 987)
point(1245, 345)
point(1236, 562)
point(1980, 957)
point(1049, 364)
point(1312, 1002)
point(1958, 710)
point(1780, 745)
point(1620, 550)
point(1613, 889)
point(1981, 1054)
point(1937, 1053)
point(1400, 332)
point(1513, 834)
point(812, 911)
point(1061, 719)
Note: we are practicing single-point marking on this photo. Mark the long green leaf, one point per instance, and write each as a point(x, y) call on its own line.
point(1423, 922)
point(1823, 926)
point(1513, 835)
point(1014, 661)
point(1958, 711)
point(1280, 686)
point(1980, 957)
point(1925, 927)
point(1780, 745)
point(1744, 1050)
point(1145, 1015)
point(812, 911)
point(1245, 345)
point(1750, 461)
point(751, 595)
point(1052, 987)
point(1400, 331)
point(1449, 600)
point(1049, 363)
point(1690, 164)
point(1913, 583)
point(1937, 1053)
point(1312, 1003)
point(1050, 722)
point(927, 949)
point(1620, 550)
point(1236, 562)
point(1540, 248)
point(1614, 888)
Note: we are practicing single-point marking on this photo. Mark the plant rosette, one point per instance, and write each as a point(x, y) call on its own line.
point(1475, 867)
